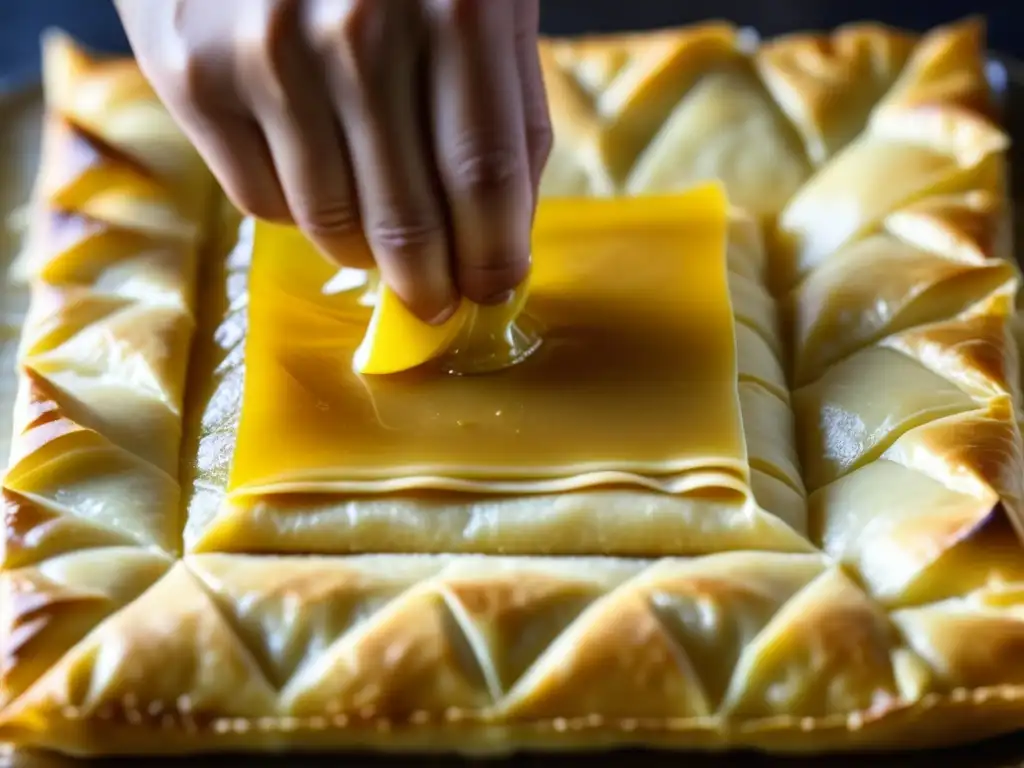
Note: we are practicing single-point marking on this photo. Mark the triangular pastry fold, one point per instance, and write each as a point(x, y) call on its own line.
point(111, 260)
point(191, 662)
point(828, 84)
point(50, 607)
point(111, 99)
point(659, 115)
point(337, 597)
point(937, 631)
point(583, 672)
point(856, 646)
point(930, 135)
point(91, 178)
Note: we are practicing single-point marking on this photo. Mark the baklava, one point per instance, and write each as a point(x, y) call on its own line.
point(759, 484)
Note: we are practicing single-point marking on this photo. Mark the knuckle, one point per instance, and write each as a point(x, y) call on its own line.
point(486, 170)
point(200, 78)
point(406, 240)
point(265, 39)
point(268, 210)
point(482, 280)
point(204, 83)
point(327, 219)
point(259, 204)
point(357, 35)
point(541, 139)
point(361, 19)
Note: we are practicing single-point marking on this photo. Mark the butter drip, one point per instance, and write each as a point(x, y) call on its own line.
point(493, 338)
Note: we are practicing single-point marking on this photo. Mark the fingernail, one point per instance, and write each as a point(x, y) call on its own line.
point(443, 315)
point(499, 298)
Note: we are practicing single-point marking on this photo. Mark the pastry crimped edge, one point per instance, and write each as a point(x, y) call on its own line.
point(820, 602)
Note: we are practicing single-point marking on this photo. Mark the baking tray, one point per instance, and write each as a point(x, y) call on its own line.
point(19, 151)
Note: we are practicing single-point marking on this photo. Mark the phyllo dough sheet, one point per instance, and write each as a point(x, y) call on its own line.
point(700, 504)
point(633, 383)
point(867, 594)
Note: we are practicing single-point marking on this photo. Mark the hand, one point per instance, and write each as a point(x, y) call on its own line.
point(422, 123)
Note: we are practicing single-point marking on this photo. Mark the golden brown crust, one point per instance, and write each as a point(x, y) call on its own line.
point(827, 84)
point(738, 649)
point(897, 338)
point(930, 135)
point(635, 113)
point(111, 260)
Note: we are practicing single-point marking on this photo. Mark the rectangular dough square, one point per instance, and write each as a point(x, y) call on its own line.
point(629, 521)
point(634, 382)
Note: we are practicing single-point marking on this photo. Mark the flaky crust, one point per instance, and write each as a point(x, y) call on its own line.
point(880, 391)
point(482, 653)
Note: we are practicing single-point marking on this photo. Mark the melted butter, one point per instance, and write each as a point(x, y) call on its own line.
point(493, 338)
point(634, 383)
point(475, 339)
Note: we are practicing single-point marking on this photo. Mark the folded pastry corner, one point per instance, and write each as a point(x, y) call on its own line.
point(931, 133)
point(635, 114)
point(915, 300)
point(827, 84)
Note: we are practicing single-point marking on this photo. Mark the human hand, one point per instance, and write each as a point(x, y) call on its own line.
point(422, 123)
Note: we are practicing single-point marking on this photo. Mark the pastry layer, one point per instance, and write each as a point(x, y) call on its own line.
point(642, 113)
point(130, 651)
point(905, 375)
point(585, 522)
point(111, 261)
point(896, 335)
point(633, 385)
point(618, 521)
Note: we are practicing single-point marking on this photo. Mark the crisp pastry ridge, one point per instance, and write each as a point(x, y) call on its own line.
point(115, 642)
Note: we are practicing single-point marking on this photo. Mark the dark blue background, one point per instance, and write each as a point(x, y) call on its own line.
point(95, 22)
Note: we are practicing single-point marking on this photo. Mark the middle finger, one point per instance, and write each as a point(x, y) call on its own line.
point(370, 50)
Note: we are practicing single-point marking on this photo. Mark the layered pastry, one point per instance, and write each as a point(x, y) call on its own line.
point(754, 481)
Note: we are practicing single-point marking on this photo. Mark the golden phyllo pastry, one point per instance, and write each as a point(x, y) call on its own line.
point(758, 484)
point(111, 260)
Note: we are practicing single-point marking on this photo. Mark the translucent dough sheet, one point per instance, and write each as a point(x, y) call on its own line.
point(205, 591)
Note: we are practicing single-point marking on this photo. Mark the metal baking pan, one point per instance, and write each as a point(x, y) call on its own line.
point(19, 147)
